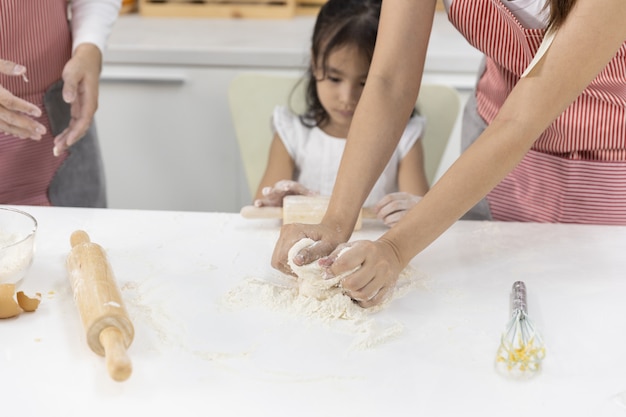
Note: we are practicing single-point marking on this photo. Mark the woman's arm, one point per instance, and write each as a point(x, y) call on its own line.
point(388, 98)
point(387, 101)
point(583, 46)
point(92, 21)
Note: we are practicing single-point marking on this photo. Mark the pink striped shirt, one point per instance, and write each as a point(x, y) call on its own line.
point(576, 170)
point(35, 34)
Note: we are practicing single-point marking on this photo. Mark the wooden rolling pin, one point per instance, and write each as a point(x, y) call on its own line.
point(105, 320)
point(300, 209)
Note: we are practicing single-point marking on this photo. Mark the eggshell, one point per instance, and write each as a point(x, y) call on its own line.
point(8, 306)
point(27, 303)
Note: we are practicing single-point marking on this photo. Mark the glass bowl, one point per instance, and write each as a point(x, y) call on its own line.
point(17, 244)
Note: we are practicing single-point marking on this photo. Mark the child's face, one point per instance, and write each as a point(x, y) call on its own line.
point(339, 87)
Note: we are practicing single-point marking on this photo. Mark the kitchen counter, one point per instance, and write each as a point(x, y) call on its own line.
point(192, 356)
point(256, 43)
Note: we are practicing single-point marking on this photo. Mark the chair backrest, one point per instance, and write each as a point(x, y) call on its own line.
point(252, 98)
point(440, 104)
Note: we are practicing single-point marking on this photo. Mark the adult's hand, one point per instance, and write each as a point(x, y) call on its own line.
point(378, 267)
point(326, 240)
point(273, 196)
point(392, 207)
point(17, 116)
point(81, 76)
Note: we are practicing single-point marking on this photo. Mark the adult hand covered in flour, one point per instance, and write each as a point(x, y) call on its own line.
point(313, 280)
point(392, 207)
point(375, 268)
point(17, 116)
point(273, 196)
point(325, 240)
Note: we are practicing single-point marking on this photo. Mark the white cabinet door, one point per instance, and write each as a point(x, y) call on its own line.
point(167, 139)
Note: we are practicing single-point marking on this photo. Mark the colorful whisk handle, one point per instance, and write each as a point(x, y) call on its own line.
point(518, 295)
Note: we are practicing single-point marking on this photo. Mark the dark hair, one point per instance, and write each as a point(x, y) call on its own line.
point(339, 23)
point(559, 9)
point(355, 22)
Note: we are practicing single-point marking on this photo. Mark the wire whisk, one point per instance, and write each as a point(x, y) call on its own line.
point(521, 347)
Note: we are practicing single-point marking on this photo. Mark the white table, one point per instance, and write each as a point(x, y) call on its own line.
point(192, 357)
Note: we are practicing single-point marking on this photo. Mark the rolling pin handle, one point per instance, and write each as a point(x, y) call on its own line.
point(79, 237)
point(117, 361)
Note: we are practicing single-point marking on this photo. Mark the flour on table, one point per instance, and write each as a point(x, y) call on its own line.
point(321, 300)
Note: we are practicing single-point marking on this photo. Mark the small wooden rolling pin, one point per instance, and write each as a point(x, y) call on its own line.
point(105, 320)
point(300, 209)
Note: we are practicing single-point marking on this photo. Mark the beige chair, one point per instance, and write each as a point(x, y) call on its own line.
point(252, 98)
point(440, 104)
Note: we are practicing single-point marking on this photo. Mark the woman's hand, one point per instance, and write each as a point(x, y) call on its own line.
point(273, 196)
point(81, 76)
point(378, 270)
point(392, 207)
point(326, 240)
point(17, 116)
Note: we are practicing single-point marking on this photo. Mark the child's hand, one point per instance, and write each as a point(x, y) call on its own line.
point(273, 196)
point(392, 207)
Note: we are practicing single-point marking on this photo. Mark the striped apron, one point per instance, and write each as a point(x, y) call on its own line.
point(576, 170)
point(35, 34)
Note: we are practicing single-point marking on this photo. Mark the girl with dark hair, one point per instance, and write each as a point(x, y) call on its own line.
point(545, 131)
point(306, 149)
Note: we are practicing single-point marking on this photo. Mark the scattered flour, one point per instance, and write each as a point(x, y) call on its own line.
point(148, 315)
point(322, 300)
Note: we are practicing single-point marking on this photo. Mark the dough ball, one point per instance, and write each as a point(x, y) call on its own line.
point(311, 276)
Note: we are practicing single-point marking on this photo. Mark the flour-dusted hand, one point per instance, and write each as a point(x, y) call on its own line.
point(326, 240)
point(376, 267)
point(273, 196)
point(81, 77)
point(392, 207)
point(17, 116)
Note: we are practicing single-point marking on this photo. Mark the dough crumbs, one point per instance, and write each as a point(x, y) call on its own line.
point(311, 297)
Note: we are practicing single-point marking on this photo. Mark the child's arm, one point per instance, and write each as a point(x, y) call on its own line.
point(412, 185)
point(277, 181)
point(280, 166)
point(411, 172)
